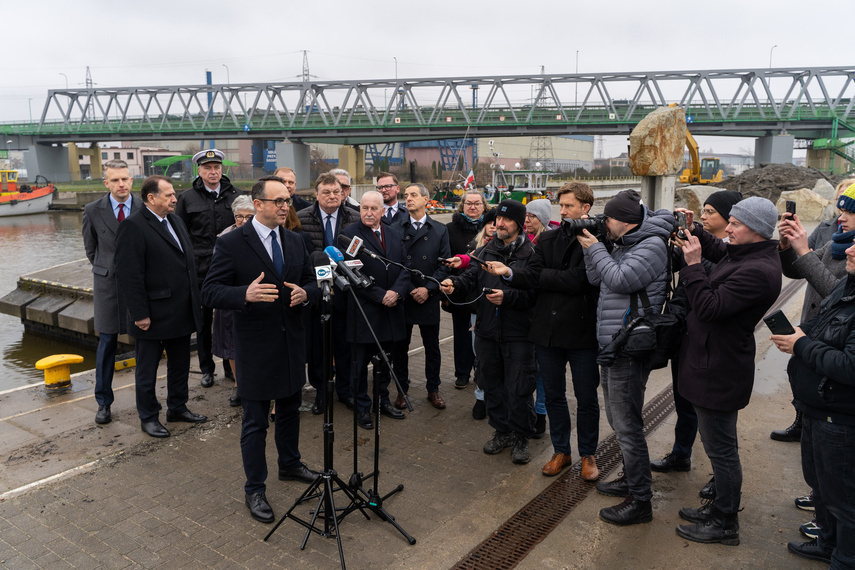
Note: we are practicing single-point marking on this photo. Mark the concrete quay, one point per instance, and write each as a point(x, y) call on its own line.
point(73, 494)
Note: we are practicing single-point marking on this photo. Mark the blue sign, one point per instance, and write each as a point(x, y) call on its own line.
point(690, 119)
point(270, 159)
point(246, 128)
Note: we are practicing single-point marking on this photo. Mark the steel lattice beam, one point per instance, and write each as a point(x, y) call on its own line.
point(750, 102)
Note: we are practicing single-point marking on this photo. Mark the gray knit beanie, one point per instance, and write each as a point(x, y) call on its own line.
point(542, 209)
point(757, 213)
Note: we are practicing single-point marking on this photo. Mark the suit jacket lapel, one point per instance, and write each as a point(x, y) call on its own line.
point(255, 244)
point(108, 215)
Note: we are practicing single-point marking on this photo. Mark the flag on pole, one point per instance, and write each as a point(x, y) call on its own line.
point(469, 179)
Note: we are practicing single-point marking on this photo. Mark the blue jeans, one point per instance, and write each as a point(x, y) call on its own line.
point(539, 394)
point(828, 464)
point(718, 434)
point(105, 366)
point(586, 378)
point(624, 383)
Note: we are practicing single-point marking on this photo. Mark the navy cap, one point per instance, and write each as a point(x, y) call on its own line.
point(210, 155)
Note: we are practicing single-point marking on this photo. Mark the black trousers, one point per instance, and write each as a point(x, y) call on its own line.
point(148, 354)
point(433, 357)
point(508, 378)
point(253, 438)
point(204, 339)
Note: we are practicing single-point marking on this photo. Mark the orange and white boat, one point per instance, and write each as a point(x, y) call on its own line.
point(18, 200)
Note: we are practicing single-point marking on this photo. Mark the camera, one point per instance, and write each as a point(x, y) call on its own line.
point(596, 225)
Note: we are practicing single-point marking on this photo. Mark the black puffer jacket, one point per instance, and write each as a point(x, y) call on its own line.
point(205, 218)
point(820, 370)
point(460, 232)
point(310, 219)
point(510, 321)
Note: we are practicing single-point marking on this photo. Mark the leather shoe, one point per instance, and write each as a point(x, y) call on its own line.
point(154, 428)
point(390, 412)
point(103, 415)
point(708, 491)
point(810, 550)
point(630, 511)
point(234, 399)
point(558, 462)
point(207, 380)
point(616, 488)
point(317, 408)
point(400, 403)
point(259, 508)
point(185, 416)
point(670, 463)
point(301, 473)
point(436, 400)
point(590, 471)
point(364, 421)
point(348, 402)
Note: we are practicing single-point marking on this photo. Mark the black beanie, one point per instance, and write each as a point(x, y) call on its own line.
point(625, 207)
point(512, 210)
point(723, 201)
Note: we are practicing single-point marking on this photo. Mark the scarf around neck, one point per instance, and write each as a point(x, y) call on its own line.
point(840, 242)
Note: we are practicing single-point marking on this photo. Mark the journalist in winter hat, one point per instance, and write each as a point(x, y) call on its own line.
point(542, 209)
point(847, 199)
point(625, 207)
point(759, 214)
point(490, 216)
point(512, 210)
point(723, 201)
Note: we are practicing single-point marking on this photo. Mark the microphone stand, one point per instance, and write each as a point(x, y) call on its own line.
point(328, 480)
point(371, 498)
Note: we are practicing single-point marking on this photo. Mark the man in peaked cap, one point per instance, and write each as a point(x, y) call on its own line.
point(206, 209)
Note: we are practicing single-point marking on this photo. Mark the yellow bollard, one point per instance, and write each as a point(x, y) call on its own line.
point(57, 371)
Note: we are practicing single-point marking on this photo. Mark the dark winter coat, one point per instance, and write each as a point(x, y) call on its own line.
point(821, 271)
point(820, 370)
point(717, 353)
point(423, 248)
point(206, 217)
point(313, 223)
point(565, 313)
point(511, 320)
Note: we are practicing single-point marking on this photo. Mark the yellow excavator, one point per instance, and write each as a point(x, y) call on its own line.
point(705, 171)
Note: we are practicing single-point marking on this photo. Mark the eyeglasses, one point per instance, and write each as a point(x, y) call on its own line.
point(330, 192)
point(239, 218)
point(708, 212)
point(387, 186)
point(471, 204)
point(530, 216)
point(345, 186)
point(278, 202)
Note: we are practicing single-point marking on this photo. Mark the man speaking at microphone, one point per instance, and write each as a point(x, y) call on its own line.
point(262, 272)
point(382, 303)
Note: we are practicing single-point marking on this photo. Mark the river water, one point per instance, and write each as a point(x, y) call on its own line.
point(29, 243)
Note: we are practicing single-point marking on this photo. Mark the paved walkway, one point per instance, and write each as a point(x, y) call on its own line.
point(79, 495)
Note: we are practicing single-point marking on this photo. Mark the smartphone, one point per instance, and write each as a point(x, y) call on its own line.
point(682, 221)
point(778, 323)
point(473, 258)
point(791, 208)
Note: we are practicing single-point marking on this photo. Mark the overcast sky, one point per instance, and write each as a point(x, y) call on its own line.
point(158, 42)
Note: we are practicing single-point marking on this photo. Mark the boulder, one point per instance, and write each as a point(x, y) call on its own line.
point(825, 189)
point(657, 142)
point(810, 206)
point(693, 197)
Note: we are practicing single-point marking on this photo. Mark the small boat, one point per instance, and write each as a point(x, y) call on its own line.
point(521, 185)
point(18, 200)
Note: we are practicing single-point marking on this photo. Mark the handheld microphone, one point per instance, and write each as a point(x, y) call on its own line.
point(354, 247)
point(323, 273)
point(354, 277)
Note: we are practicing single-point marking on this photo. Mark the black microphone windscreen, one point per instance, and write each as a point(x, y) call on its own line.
point(343, 242)
point(319, 258)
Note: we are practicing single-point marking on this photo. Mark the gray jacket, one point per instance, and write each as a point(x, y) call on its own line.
point(819, 269)
point(637, 261)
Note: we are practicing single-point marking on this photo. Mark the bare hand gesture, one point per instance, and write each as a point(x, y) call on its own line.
point(259, 292)
point(298, 294)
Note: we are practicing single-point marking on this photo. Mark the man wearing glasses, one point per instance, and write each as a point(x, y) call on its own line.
point(324, 221)
point(343, 177)
point(262, 272)
point(394, 212)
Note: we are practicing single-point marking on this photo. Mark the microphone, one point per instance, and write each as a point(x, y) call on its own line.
point(354, 246)
point(354, 277)
point(323, 273)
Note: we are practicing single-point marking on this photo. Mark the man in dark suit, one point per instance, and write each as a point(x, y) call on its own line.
point(425, 242)
point(394, 212)
point(261, 271)
point(290, 178)
point(157, 278)
point(324, 221)
point(383, 304)
point(100, 221)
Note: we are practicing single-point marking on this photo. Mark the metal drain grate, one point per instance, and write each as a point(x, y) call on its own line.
point(517, 536)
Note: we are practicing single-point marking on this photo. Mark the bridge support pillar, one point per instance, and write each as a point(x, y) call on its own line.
point(658, 191)
point(774, 149)
point(297, 157)
point(352, 159)
point(49, 161)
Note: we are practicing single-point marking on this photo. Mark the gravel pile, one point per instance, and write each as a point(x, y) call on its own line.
point(769, 180)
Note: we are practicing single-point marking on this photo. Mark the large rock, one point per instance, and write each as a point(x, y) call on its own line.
point(657, 142)
point(693, 197)
point(825, 189)
point(810, 206)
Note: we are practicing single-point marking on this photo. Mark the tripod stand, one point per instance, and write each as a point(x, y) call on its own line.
point(328, 481)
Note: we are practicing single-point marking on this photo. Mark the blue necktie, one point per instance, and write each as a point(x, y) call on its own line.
point(166, 226)
point(278, 261)
point(328, 237)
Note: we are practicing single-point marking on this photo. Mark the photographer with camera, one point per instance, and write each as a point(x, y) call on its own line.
point(716, 372)
point(565, 318)
point(637, 262)
point(501, 333)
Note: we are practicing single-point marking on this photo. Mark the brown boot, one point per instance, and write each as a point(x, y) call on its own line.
point(400, 403)
point(558, 462)
point(590, 472)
